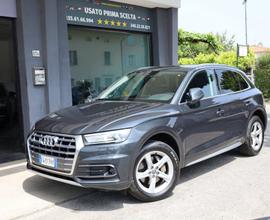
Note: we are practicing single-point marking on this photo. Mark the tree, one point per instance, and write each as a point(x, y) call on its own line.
point(262, 75)
point(228, 43)
point(196, 48)
point(192, 44)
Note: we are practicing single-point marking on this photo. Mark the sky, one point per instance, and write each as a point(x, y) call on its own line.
point(227, 16)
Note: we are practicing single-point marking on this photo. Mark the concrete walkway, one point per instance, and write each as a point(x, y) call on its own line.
point(225, 187)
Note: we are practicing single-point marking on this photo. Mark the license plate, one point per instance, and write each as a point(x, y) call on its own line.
point(47, 161)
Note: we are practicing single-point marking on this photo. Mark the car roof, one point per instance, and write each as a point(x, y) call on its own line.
point(186, 68)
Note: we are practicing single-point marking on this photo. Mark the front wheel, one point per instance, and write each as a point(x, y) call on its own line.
point(155, 173)
point(255, 137)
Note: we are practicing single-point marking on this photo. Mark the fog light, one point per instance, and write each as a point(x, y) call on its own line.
point(102, 171)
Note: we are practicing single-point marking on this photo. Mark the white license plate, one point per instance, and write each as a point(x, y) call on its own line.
point(47, 161)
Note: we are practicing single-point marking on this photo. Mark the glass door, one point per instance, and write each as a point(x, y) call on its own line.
point(99, 57)
point(10, 132)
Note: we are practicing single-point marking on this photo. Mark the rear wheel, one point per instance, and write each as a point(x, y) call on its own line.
point(155, 173)
point(255, 137)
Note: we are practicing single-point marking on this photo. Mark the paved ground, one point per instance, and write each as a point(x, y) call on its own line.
point(226, 187)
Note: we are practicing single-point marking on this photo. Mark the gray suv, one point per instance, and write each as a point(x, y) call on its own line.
point(148, 125)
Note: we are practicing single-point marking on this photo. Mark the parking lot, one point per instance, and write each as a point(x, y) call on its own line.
point(229, 186)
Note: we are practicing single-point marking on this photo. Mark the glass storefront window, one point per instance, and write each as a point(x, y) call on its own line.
point(99, 57)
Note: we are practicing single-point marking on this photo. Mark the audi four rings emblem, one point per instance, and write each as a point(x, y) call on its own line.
point(48, 140)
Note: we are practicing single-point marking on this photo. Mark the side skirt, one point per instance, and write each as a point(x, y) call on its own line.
point(226, 149)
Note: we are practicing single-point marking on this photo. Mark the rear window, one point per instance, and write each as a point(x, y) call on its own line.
point(230, 81)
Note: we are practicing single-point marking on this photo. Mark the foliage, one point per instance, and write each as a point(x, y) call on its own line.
point(228, 58)
point(228, 43)
point(262, 75)
point(192, 44)
point(196, 48)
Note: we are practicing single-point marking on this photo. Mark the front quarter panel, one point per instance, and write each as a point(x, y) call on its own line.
point(145, 131)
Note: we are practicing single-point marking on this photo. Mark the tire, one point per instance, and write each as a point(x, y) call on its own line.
point(255, 139)
point(157, 163)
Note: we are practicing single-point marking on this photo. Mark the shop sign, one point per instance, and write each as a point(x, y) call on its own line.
point(107, 14)
point(242, 50)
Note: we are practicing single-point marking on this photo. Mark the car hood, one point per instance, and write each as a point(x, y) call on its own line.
point(102, 116)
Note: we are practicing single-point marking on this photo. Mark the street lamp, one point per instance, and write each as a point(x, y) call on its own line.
point(242, 50)
point(246, 25)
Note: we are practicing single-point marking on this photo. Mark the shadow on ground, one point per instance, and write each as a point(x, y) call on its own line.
point(265, 218)
point(80, 199)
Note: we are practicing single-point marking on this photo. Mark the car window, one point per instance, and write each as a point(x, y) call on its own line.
point(242, 82)
point(230, 81)
point(145, 86)
point(205, 80)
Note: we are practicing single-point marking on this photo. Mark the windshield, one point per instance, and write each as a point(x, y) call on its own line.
point(145, 86)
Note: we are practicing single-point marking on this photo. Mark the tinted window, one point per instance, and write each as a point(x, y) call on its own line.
point(148, 85)
point(242, 82)
point(230, 81)
point(205, 80)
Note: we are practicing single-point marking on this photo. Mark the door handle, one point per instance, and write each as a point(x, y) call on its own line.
point(247, 103)
point(220, 112)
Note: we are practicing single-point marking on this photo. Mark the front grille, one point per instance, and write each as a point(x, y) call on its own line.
point(63, 151)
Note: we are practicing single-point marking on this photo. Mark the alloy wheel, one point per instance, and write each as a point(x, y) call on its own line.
point(256, 136)
point(154, 172)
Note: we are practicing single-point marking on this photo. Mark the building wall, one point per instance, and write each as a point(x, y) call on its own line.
point(259, 55)
point(41, 25)
point(8, 8)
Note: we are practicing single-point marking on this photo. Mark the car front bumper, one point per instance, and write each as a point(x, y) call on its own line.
point(106, 167)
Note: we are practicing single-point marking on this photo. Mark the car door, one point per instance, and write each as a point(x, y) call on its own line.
point(203, 125)
point(233, 106)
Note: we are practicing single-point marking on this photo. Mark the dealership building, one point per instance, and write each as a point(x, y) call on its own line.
point(58, 53)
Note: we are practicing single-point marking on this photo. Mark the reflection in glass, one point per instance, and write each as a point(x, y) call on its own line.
point(154, 86)
point(98, 58)
point(230, 81)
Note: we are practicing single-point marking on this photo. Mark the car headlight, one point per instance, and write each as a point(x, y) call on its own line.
point(116, 136)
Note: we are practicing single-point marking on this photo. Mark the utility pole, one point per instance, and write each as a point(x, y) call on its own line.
point(246, 25)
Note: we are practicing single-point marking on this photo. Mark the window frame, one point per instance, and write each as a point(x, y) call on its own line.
point(214, 68)
point(213, 72)
point(236, 72)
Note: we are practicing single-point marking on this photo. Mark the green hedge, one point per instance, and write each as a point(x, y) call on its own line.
point(228, 58)
point(262, 75)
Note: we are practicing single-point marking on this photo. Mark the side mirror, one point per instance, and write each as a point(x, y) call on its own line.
point(196, 94)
